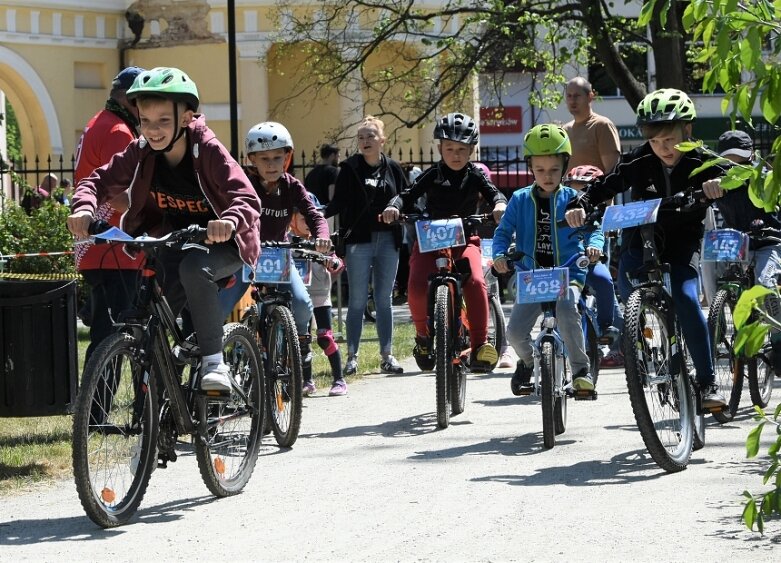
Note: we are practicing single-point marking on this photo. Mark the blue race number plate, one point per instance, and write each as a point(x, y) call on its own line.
point(304, 268)
point(273, 266)
point(539, 286)
point(725, 245)
point(440, 233)
point(630, 214)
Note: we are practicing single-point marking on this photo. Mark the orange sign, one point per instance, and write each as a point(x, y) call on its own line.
point(506, 119)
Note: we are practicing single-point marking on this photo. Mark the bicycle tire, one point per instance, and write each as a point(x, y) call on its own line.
point(698, 413)
point(560, 397)
point(229, 432)
point(113, 458)
point(761, 378)
point(592, 349)
point(496, 323)
point(728, 367)
point(284, 377)
point(661, 405)
point(547, 367)
point(370, 311)
point(443, 355)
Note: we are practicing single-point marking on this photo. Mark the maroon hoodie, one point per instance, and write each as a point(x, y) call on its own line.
point(220, 178)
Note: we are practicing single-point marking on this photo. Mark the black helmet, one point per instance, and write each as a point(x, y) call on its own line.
point(457, 127)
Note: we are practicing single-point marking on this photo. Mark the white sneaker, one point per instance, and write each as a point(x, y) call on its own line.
point(216, 377)
point(508, 359)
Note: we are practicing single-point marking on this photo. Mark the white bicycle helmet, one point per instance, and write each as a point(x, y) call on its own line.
point(267, 136)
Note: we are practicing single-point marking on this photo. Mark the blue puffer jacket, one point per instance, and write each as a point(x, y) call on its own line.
point(520, 220)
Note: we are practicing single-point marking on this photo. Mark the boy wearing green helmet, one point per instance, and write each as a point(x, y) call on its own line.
point(531, 217)
point(657, 169)
point(175, 175)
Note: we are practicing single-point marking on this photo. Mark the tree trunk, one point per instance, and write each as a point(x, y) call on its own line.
point(669, 48)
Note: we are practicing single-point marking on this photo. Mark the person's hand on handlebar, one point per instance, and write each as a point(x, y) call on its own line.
point(219, 230)
point(322, 245)
point(575, 217)
point(79, 223)
point(499, 211)
point(593, 254)
point(390, 214)
point(712, 188)
point(502, 265)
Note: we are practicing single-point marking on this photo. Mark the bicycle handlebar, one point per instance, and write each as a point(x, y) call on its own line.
point(191, 235)
point(295, 242)
point(469, 220)
point(313, 256)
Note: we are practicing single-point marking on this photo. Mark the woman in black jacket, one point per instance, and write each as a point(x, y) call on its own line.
point(367, 181)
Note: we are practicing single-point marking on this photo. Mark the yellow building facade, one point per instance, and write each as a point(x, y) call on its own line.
point(57, 59)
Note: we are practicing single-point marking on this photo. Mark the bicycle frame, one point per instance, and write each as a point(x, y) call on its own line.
point(447, 275)
point(549, 333)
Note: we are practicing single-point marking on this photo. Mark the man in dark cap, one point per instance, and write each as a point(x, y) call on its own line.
point(736, 146)
point(111, 273)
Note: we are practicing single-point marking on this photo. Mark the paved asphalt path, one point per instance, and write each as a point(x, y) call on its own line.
point(372, 478)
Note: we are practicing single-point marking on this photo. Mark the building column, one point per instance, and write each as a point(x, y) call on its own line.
point(254, 95)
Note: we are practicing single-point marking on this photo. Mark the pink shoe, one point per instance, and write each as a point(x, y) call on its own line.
point(614, 359)
point(309, 389)
point(338, 389)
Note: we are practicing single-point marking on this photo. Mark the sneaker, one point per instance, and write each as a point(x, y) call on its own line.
point(338, 389)
point(609, 333)
point(485, 359)
point(521, 380)
point(390, 364)
point(712, 398)
point(423, 353)
point(216, 377)
point(309, 388)
point(351, 367)
point(508, 359)
point(613, 359)
point(583, 381)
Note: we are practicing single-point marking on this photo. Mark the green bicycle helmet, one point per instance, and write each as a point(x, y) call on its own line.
point(170, 83)
point(546, 139)
point(665, 105)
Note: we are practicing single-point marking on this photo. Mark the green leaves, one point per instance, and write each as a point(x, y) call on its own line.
point(752, 441)
point(747, 304)
point(687, 146)
point(750, 338)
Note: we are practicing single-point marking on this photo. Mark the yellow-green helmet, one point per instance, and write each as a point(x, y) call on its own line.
point(667, 104)
point(166, 82)
point(546, 139)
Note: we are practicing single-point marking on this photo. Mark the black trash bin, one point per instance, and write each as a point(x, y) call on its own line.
point(38, 348)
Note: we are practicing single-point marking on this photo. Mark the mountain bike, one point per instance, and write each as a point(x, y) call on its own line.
point(271, 321)
point(665, 397)
point(137, 398)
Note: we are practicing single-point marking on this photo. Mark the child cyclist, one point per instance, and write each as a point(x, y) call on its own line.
point(653, 170)
point(269, 147)
point(451, 188)
point(175, 175)
point(320, 292)
point(609, 316)
point(532, 217)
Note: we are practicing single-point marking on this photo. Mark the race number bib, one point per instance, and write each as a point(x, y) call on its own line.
point(440, 233)
point(630, 214)
point(487, 251)
point(273, 266)
point(725, 245)
point(540, 286)
point(304, 268)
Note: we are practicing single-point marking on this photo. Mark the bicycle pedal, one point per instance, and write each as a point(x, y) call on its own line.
point(605, 340)
point(584, 394)
point(216, 395)
point(526, 390)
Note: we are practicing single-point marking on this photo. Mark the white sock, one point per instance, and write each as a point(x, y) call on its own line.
point(212, 359)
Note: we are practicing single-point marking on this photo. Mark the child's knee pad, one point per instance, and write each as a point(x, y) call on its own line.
point(325, 339)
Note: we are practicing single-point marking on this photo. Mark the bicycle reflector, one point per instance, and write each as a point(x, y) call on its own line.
point(442, 262)
point(648, 332)
point(583, 262)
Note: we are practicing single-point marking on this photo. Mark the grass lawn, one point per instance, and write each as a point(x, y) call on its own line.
point(38, 450)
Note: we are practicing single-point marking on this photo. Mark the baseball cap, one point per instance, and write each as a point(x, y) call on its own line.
point(125, 78)
point(737, 143)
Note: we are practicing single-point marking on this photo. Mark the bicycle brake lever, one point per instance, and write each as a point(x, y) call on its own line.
point(187, 245)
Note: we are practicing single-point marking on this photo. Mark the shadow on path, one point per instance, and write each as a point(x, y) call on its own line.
point(527, 444)
point(401, 428)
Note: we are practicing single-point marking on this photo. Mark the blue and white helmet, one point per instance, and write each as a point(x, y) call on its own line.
point(267, 136)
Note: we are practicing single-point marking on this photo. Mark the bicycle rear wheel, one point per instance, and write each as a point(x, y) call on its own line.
point(114, 431)
point(547, 372)
point(592, 348)
point(444, 356)
point(661, 401)
point(229, 432)
point(284, 377)
point(728, 367)
point(496, 324)
point(560, 398)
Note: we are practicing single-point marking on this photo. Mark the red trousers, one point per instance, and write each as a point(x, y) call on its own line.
point(421, 265)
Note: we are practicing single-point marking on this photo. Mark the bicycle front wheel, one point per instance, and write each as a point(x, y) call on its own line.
point(284, 377)
point(114, 431)
point(547, 373)
point(728, 367)
point(496, 324)
point(444, 356)
point(761, 377)
point(229, 432)
point(661, 401)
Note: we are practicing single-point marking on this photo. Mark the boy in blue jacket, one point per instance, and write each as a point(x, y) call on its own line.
point(531, 217)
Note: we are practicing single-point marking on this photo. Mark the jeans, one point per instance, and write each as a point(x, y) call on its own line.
point(190, 276)
point(380, 259)
point(598, 278)
point(525, 315)
point(767, 265)
point(684, 283)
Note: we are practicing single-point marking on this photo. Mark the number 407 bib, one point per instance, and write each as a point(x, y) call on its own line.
point(440, 233)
